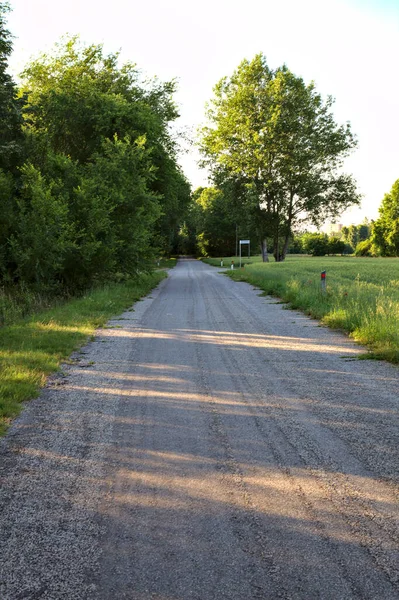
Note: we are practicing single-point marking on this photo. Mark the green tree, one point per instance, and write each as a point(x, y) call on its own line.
point(296, 244)
point(364, 231)
point(316, 244)
point(11, 136)
point(347, 236)
point(174, 195)
point(354, 234)
point(8, 221)
point(276, 136)
point(216, 224)
point(77, 97)
point(385, 234)
point(336, 246)
point(364, 248)
point(98, 139)
point(11, 146)
point(41, 235)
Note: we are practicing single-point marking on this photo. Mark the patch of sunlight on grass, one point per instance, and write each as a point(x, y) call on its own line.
point(362, 294)
point(32, 348)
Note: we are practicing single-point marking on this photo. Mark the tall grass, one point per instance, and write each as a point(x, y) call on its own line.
point(20, 301)
point(362, 294)
point(32, 348)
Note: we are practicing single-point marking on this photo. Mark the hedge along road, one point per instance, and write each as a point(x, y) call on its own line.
point(208, 445)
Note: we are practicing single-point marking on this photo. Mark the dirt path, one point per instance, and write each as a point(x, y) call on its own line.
point(208, 445)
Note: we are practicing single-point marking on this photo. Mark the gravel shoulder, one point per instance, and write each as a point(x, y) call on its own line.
point(209, 444)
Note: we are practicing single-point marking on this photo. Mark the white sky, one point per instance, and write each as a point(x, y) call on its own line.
point(348, 47)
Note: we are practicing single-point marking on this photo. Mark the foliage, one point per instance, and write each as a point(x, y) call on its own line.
point(385, 236)
point(7, 219)
point(364, 248)
point(335, 246)
point(100, 190)
point(77, 97)
point(10, 105)
point(174, 196)
point(215, 223)
point(40, 236)
point(296, 245)
point(354, 234)
point(276, 138)
point(187, 243)
point(316, 244)
point(114, 213)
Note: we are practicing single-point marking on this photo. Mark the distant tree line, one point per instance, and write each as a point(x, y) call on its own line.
point(90, 186)
point(213, 228)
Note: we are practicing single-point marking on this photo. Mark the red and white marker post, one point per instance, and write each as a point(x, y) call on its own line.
point(323, 282)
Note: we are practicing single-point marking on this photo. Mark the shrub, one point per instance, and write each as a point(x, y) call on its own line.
point(364, 248)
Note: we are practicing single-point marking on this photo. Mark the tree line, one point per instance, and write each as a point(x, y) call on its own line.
point(212, 228)
point(90, 184)
point(91, 188)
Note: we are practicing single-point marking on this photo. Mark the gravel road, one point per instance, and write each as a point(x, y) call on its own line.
point(207, 445)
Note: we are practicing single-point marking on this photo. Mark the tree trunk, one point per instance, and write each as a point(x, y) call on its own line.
point(263, 245)
point(285, 248)
point(276, 249)
point(288, 230)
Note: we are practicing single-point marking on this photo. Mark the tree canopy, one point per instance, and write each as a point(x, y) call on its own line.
point(10, 104)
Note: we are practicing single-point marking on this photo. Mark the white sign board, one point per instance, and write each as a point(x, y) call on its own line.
point(249, 247)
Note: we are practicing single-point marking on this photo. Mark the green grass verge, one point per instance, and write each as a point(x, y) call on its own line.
point(167, 263)
point(32, 348)
point(362, 294)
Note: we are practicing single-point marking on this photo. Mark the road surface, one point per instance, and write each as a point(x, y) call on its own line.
point(209, 444)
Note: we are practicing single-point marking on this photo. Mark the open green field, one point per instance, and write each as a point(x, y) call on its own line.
point(34, 347)
point(362, 294)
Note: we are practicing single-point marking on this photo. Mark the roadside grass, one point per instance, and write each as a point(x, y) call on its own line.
point(215, 262)
point(362, 295)
point(32, 348)
point(20, 301)
point(167, 263)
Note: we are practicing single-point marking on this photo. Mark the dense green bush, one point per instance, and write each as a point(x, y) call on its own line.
point(97, 188)
point(364, 248)
point(316, 244)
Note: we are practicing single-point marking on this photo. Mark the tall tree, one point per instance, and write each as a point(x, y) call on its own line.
point(216, 224)
point(10, 104)
point(276, 136)
point(11, 144)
